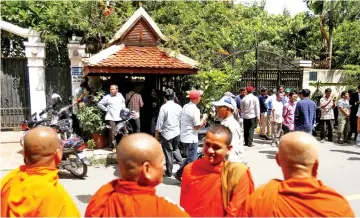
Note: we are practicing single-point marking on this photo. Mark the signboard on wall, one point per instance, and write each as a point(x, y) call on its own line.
point(76, 78)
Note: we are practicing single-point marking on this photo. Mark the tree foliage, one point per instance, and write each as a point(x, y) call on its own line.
point(204, 30)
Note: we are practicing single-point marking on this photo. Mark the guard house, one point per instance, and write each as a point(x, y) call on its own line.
point(133, 57)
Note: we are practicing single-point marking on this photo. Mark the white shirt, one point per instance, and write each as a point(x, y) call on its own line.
point(190, 117)
point(358, 112)
point(168, 122)
point(237, 142)
point(250, 107)
point(345, 105)
point(278, 106)
point(327, 112)
point(112, 105)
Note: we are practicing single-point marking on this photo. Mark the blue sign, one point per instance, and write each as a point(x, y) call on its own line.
point(77, 71)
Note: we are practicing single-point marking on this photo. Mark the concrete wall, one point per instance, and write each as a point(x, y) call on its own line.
point(331, 79)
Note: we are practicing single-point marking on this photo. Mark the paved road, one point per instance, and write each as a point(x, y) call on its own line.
point(339, 169)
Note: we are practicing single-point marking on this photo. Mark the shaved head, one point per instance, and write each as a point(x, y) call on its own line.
point(40, 145)
point(140, 159)
point(298, 154)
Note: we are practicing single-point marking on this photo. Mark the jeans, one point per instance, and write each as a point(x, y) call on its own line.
point(191, 156)
point(135, 124)
point(171, 147)
point(249, 127)
point(112, 141)
point(330, 128)
point(276, 131)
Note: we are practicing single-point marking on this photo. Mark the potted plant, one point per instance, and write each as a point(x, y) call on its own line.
point(91, 120)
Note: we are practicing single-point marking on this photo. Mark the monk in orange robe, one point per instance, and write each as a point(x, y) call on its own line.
point(213, 186)
point(141, 163)
point(34, 188)
point(300, 194)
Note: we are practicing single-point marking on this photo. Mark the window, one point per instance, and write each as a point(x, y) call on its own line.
point(313, 76)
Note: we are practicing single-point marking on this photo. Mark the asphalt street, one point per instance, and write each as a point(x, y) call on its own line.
point(339, 169)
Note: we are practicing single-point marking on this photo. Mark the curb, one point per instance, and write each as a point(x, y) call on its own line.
point(101, 157)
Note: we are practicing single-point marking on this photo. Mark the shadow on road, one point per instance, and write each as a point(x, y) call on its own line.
point(346, 152)
point(269, 154)
point(261, 141)
point(67, 175)
point(354, 158)
point(116, 170)
point(84, 198)
point(171, 181)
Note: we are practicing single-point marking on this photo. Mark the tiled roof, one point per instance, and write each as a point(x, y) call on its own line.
point(142, 57)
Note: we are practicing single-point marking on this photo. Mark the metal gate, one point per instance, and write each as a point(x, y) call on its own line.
point(269, 71)
point(15, 93)
point(58, 80)
point(271, 79)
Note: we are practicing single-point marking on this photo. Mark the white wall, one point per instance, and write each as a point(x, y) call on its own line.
point(333, 79)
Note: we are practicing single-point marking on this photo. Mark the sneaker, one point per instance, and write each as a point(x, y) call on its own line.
point(340, 142)
point(267, 138)
point(178, 177)
point(114, 150)
point(167, 175)
point(273, 144)
point(322, 140)
point(263, 136)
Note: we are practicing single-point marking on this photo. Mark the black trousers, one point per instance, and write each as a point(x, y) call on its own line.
point(249, 127)
point(135, 124)
point(286, 129)
point(330, 128)
point(171, 150)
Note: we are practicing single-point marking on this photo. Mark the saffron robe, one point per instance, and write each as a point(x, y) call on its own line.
point(201, 190)
point(121, 198)
point(27, 192)
point(306, 197)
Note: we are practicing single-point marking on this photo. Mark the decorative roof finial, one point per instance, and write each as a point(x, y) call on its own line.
point(140, 4)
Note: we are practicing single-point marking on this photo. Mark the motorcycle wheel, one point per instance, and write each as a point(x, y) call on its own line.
point(76, 162)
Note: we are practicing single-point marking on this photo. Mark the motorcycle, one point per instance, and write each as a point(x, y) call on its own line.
point(124, 127)
point(74, 158)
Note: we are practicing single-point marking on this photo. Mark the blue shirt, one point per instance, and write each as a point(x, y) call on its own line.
point(263, 107)
point(238, 100)
point(305, 115)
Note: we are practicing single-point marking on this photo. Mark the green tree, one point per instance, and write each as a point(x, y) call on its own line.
point(332, 13)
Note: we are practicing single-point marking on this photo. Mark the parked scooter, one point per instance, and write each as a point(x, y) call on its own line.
point(124, 127)
point(74, 158)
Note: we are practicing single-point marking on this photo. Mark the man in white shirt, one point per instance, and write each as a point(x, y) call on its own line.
point(250, 109)
point(327, 105)
point(277, 118)
point(224, 111)
point(168, 125)
point(190, 123)
point(112, 104)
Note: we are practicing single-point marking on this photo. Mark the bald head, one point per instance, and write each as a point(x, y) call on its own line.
point(134, 150)
point(40, 143)
point(298, 151)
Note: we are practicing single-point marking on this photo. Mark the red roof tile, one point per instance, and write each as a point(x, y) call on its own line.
point(147, 57)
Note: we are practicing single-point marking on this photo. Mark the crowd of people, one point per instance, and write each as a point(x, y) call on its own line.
point(278, 113)
point(218, 184)
point(211, 186)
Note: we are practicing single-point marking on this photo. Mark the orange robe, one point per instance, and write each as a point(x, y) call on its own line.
point(201, 193)
point(307, 197)
point(121, 198)
point(27, 192)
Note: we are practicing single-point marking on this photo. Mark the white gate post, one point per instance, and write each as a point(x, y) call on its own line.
point(35, 53)
point(76, 54)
